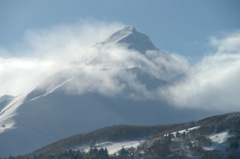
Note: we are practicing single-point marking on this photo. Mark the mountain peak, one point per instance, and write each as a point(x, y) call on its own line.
point(129, 29)
point(132, 38)
point(121, 34)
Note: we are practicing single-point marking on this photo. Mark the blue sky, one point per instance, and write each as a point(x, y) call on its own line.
point(181, 27)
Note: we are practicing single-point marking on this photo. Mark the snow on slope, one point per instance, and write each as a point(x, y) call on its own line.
point(131, 38)
point(219, 141)
point(184, 131)
point(112, 147)
point(52, 89)
point(121, 34)
point(8, 112)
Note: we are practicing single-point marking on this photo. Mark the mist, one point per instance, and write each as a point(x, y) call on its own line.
point(212, 83)
point(43, 52)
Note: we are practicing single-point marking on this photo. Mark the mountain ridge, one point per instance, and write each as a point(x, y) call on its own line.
point(132, 38)
point(200, 133)
point(79, 100)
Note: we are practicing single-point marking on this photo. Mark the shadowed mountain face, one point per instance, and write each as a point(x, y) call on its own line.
point(72, 102)
point(57, 115)
point(148, 80)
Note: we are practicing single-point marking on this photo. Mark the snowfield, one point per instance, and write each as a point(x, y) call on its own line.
point(184, 131)
point(219, 141)
point(8, 112)
point(112, 147)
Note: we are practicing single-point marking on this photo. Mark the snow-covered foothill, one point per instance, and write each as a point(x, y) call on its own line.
point(184, 131)
point(219, 141)
point(112, 147)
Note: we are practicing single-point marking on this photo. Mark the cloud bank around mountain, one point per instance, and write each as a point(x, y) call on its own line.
point(43, 52)
point(212, 83)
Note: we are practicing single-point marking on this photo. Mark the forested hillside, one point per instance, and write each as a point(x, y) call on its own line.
point(213, 137)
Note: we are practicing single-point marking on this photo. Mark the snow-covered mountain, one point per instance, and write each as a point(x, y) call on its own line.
point(108, 90)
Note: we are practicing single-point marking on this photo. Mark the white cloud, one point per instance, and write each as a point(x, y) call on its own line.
point(18, 75)
point(228, 44)
point(214, 82)
point(47, 51)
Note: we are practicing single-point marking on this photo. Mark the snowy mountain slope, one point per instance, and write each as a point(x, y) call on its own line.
point(214, 137)
point(8, 111)
point(109, 90)
point(57, 115)
point(4, 100)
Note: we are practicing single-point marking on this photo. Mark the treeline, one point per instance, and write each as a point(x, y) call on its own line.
point(94, 153)
point(182, 145)
point(161, 141)
point(112, 133)
point(192, 144)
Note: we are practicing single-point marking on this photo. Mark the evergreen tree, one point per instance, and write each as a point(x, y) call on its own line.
point(93, 153)
point(123, 153)
point(103, 154)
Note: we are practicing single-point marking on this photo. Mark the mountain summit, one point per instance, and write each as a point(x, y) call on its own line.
point(113, 89)
point(133, 39)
